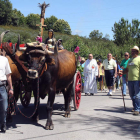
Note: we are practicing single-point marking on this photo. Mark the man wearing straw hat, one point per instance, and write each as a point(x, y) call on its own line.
point(133, 69)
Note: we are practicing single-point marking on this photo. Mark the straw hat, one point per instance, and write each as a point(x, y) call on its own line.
point(83, 59)
point(135, 48)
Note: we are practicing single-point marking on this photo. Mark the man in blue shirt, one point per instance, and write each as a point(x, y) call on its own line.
point(123, 65)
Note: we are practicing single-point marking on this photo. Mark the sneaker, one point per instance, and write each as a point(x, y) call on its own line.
point(86, 94)
point(3, 128)
point(109, 94)
point(91, 94)
point(136, 113)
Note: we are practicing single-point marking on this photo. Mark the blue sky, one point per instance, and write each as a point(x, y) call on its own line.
point(85, 16)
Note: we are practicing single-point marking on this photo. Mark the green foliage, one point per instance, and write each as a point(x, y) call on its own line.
point(106, 37)
point(62, 26)
point(95, 34)
point(122, 32)
point(81, 69)
point(99, 48)
point(18, 18)
point(5, 12)
point(32, 20)
point(50, 22)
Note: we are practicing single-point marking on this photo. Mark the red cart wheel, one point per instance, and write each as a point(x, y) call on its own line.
point(25, 96)
point(77, 87)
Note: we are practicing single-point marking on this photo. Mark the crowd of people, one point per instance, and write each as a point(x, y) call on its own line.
point(128, 71)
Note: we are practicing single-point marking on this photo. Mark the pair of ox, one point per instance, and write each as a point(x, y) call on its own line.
point(55, 71)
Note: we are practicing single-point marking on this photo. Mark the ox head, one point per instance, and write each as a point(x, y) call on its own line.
point(37, 59)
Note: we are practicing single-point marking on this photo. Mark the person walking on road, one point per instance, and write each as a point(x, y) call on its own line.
point(5, 75)
point(123, 66)
point(90, 74)
point(133, 70)
point(101, 74)
point(110, 68)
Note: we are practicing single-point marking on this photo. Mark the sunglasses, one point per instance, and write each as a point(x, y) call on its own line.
point(125, 55)
point(108, 63)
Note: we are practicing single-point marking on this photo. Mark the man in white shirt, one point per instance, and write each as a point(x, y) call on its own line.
point(5, 75)
point(90, 73)
point(110, 68)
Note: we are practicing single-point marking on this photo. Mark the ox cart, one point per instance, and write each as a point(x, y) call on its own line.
point(43, 72)
point(25, 96)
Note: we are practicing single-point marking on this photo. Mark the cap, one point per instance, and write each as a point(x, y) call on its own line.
point(83, 59)
point(135, 48)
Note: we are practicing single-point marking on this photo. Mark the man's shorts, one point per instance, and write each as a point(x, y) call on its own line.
point(100, 79)
point(109, 77)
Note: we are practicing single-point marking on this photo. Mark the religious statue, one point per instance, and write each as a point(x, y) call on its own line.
point(43, 7)
point(50, 41)
point(60, 46)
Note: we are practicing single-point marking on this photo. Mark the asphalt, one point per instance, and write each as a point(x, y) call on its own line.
point(100, 117)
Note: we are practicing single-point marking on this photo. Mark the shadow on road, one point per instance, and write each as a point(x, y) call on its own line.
point(104, 121)
point(20, 119)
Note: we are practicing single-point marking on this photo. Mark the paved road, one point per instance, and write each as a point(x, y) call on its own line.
point(99, 117)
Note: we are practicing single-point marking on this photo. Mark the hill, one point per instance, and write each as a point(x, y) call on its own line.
point(99, 48)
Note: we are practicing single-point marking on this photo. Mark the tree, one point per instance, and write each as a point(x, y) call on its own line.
point(122, 32)
point(107, 37)
point(135, 31)
point(32, 20)
point(50, 22)
point(5, 12)
point(95, 34)
point(18, 18)
point(62, 26)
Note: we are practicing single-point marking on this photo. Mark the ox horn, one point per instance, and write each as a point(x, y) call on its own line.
point(18, 47)
point(18, 42)
point(2, 35)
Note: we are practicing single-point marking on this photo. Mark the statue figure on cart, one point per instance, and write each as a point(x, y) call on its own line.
point(50, 41)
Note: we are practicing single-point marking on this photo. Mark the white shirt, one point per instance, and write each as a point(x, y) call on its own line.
point(109, 64)
point(4, 68)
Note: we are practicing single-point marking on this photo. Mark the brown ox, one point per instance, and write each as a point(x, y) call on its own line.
point(16, 67)
point(56, 72)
